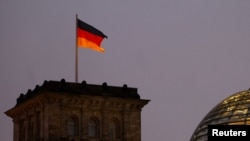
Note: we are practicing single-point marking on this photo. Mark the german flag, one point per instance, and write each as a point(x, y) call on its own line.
point(89, 37)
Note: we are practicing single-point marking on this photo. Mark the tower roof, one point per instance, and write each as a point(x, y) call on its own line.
point(80, 89)
point(233, 110)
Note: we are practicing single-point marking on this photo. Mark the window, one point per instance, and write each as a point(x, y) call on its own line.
point(113, 129)
point(92, 128)
point(72, 126)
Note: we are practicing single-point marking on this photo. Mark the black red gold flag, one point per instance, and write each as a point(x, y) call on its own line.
point(89, 37)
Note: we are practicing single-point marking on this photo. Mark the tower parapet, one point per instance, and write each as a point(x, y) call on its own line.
point(60, 110)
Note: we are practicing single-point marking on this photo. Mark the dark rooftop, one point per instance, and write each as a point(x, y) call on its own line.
point(81, 89)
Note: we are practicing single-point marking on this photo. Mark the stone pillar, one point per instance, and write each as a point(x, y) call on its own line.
point(16, 129)
point(104, 118)
point(41, 121)
point(135, 127)
point(36, 126)
point(26, 129)
point(126, 123)
point(83, 121)
point(44, 124)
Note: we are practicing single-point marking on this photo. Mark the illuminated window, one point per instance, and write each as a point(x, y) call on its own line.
point(92, 128)
point(72, 126)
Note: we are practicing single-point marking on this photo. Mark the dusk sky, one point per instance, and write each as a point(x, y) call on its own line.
point(184, 55)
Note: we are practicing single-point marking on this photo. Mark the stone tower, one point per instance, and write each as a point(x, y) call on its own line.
point(65, 111)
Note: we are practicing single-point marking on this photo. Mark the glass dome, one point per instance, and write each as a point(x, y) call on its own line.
point(234, 110)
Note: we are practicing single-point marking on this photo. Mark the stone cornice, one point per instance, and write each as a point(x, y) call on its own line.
point(32, 104)
point(79, 101)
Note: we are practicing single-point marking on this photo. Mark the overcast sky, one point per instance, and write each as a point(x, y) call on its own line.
point(184, 55)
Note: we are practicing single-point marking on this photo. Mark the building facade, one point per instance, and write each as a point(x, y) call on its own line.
point(64, 111)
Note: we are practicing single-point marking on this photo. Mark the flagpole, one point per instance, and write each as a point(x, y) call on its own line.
point(76, 59)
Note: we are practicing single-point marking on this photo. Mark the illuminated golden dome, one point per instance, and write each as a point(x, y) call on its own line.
point(234, 110)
